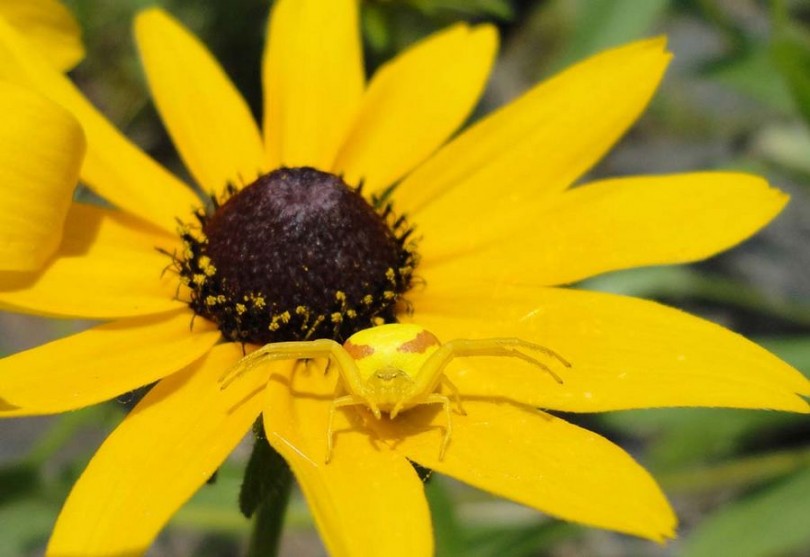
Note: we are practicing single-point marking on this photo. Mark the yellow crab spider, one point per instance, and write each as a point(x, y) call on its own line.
point(391, 368)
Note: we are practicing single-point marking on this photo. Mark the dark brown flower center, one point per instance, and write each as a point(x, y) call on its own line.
point(296, 255)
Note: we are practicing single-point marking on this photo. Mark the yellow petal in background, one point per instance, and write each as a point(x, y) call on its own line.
point(114, 167)
point(107, 267)
point(41, 150)
point(207, 118)
point(536, 145)
point(368, 500)
point(313, 80)
point(99, 364)
point(49, 26)
point(614, 224)
point(163, 451)
point(415, 102)
point(625, 353)
point(538, 460)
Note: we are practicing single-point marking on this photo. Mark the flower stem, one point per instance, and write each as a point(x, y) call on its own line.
point(268, 520)
point(265, 495)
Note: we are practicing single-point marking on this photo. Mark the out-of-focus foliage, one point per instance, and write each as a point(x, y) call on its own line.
point(736, 97)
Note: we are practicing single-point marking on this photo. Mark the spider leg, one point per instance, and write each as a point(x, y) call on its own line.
point(509, 347)
point(302, 350)
point(338, 402)
point(456, 394)
point(436, 398)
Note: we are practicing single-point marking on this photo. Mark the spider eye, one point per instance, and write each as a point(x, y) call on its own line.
point(389, 374)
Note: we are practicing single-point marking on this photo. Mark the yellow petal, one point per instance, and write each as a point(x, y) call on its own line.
point(207, 118)
point(313, 80)
point(608, 225)
point(415, 102)
point(41, 149)
point(625, 352)
point(49, 26)
point(538, 460)
point(163, 451)
point(368, 500)
point(114, 167)
point(538, 144)
point(107, 267)
point(101, 363)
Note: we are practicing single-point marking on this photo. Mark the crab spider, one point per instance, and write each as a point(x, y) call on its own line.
point(391, 368)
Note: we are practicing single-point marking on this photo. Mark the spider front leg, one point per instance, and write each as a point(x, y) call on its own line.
point(507, 347)
point(299, 350)
point(342, 402)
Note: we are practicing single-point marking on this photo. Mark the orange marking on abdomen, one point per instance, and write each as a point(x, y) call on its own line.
point(358, 351)
point(422, 342)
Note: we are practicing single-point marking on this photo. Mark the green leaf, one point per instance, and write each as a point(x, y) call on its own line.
point(791, 55)
point(519, 541)
point(771, 522)
point(18, 481)
point(267, 478)
point(448, 532)
point(755, 75)
point(25, 526)
point(501, 9)
point(601, 24)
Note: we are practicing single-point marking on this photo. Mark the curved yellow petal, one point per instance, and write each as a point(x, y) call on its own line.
point(107, 267)
point(207, 118)
point(538, 144)
point(625, 352)
point(114, 167)
point(41, 149)
point(610, 225)
point(415, 102)
point(368, 500)
point(49, 26)
point(99, 364)
point(163, 451)
point(539, 460)
point(313, 80)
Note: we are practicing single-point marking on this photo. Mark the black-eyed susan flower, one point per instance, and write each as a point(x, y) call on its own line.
point(477, 238)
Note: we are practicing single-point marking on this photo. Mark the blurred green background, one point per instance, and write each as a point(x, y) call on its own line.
point(737, 96)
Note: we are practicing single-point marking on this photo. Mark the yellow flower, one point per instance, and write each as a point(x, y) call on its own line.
point(499, 230)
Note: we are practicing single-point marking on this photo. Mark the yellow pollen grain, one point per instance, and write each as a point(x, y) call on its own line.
point(274, 326)
point(340, 296)
point(241, 308)
point(337, 317)
point(389, 274)
point(285, 317)
point(301, 310)
point(210, 300)
point(351, 313)
point(378, 321)
point(389, 295)
point(368, 299)
point(199, 279)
